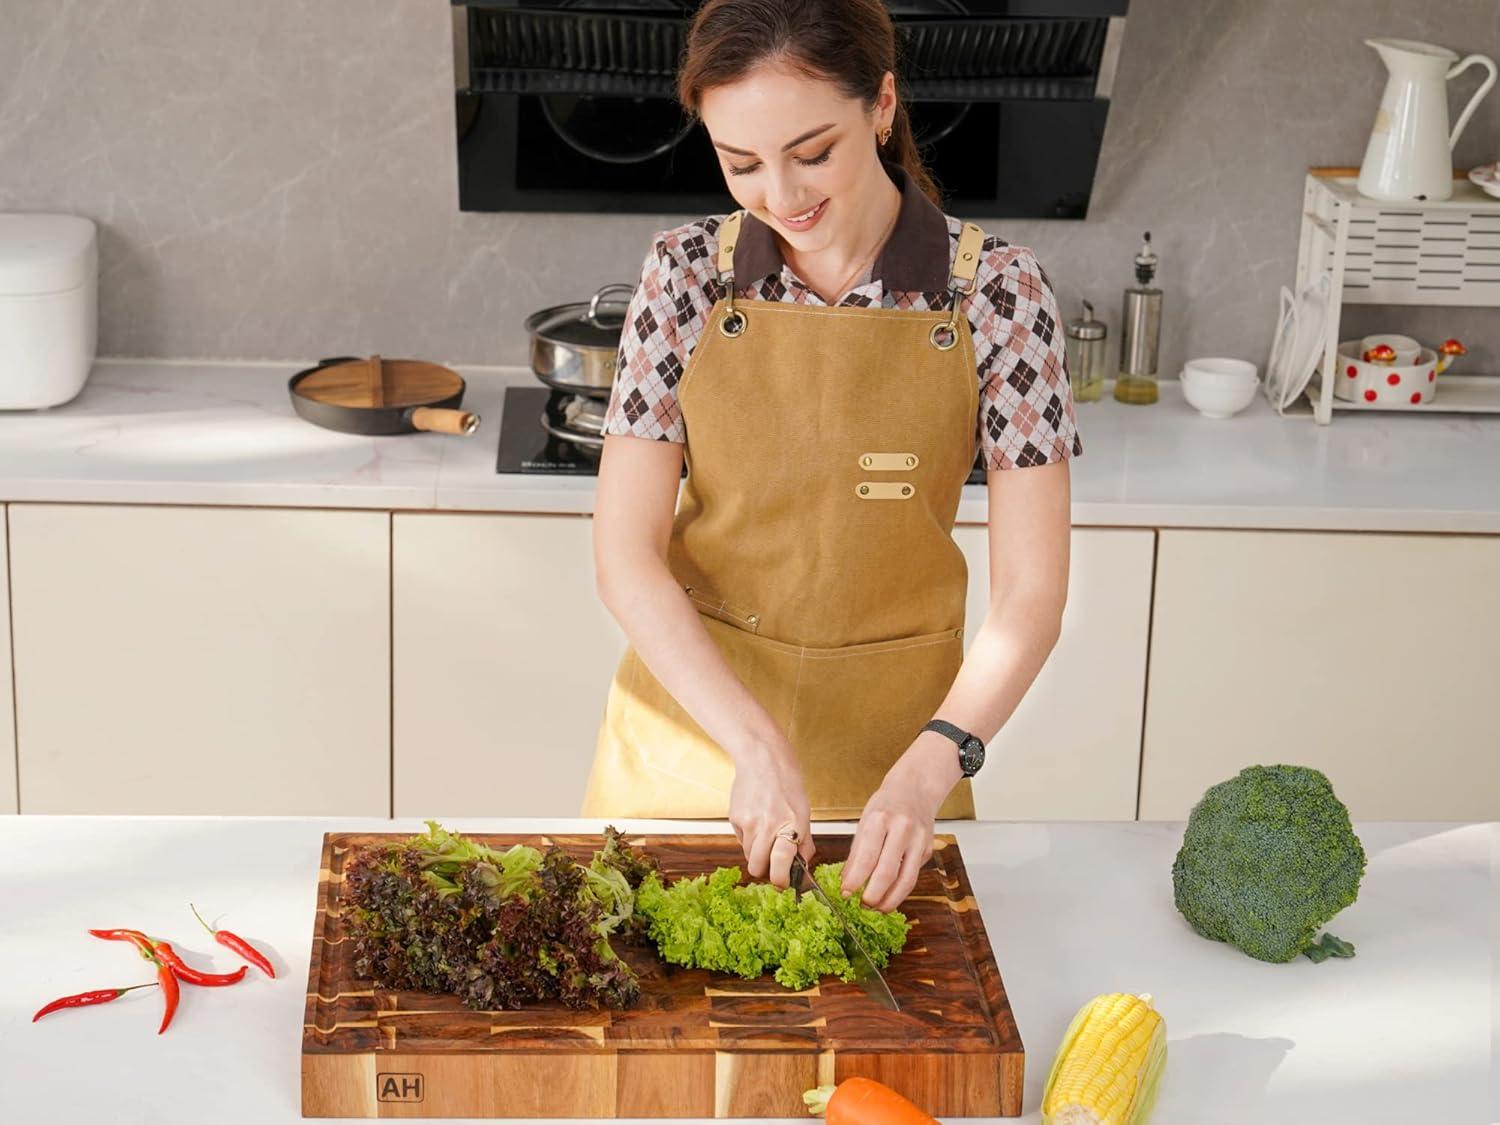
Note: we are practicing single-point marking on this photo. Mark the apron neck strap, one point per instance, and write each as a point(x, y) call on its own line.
point(966, 259)
point(729, 233)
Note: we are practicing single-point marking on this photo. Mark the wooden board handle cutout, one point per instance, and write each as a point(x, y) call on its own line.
point(444, 421)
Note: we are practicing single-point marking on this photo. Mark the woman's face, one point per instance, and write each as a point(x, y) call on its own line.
point(796, 153)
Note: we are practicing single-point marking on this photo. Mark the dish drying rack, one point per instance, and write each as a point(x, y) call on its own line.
point(1375, 252)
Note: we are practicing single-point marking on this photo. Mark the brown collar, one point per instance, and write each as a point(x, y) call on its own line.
point(915, 257)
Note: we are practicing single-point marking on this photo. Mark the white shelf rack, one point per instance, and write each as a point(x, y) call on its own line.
point(1442, 253)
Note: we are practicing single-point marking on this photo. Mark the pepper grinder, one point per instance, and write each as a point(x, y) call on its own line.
point(1140, 333)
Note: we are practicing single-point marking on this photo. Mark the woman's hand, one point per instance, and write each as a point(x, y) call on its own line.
point(768, 798)
point(894, 837)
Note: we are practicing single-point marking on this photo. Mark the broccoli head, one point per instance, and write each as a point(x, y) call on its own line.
point(1268, 858)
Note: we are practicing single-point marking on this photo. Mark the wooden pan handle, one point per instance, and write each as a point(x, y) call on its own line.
point(444, 421)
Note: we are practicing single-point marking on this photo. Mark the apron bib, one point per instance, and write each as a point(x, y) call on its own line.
point(827, 449)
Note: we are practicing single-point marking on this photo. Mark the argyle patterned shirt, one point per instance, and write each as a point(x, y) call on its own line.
point(1026, 412)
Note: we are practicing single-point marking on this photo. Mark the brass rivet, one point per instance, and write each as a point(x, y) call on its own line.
point(866, 461)
point(967, 257)
point(958, 633)
point(910, 461)
point(730, 248)
point(906, 490)
point(754, 620)
point(864, 490)
point(689, 589)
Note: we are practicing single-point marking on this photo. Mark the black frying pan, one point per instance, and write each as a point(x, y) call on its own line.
point(371, 395)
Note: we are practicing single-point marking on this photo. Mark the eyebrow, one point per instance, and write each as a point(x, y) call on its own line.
point(807, 136)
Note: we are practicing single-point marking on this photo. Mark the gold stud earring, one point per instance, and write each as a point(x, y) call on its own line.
point(886, 135)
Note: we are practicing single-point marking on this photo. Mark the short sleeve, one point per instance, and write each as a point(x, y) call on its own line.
point(1025, 400)
point(650, 361)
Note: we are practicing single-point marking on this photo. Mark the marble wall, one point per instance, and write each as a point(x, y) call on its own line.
point(278, 180)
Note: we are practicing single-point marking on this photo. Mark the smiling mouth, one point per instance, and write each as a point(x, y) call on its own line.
point(805, 215)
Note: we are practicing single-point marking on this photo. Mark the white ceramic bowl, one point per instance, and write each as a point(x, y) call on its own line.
point(1388, 384)
point(1219, 387)
point(1487, 178)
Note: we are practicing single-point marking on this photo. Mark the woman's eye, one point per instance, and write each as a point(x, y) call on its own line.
point(821, 158)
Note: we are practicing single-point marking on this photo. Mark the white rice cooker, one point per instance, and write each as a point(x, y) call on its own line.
point(49, 307)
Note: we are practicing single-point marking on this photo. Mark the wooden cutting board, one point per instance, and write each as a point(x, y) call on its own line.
point(696, 1044)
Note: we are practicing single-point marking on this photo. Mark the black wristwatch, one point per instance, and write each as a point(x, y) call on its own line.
point(970, 749)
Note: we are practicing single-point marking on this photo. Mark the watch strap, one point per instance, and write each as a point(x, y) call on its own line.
point(948, 730)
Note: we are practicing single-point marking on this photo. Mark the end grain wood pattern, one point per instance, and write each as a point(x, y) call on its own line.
point(696, 1044)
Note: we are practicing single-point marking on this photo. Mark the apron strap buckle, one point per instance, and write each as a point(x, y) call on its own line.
point(733, 322)
point(964, 278)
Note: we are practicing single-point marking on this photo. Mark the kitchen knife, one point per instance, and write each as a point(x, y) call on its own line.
point(866, 975)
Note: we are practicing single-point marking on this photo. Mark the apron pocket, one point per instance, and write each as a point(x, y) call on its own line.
point(858, 708)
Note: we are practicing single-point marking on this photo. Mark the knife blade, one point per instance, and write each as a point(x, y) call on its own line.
point(866, 975)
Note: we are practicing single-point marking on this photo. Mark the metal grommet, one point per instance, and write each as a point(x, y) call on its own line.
point(864, 490)
point(942, 336)
point(735, 318)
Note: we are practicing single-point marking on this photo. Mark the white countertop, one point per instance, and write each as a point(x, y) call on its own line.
point(1402, 1033)
point(174, 432)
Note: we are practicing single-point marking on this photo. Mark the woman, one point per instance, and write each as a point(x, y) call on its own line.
point(826, 359)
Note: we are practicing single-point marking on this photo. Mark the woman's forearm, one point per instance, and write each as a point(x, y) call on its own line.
point(668, 635)
point(1009, 650)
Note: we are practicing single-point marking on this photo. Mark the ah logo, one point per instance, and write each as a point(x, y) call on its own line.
point(392, 1087)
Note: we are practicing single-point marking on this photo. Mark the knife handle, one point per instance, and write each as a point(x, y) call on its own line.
point(798, 873)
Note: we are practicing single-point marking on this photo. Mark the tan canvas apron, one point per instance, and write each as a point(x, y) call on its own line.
point(827, 447)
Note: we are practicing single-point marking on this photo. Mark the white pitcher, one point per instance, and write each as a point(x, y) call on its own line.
point(1410, 154)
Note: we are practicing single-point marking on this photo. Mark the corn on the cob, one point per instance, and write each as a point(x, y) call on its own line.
point(1109, 1065)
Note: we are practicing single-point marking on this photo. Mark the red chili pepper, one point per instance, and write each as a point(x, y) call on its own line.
point(169, 990)
point(82, 999)
point(142, 942)
point(238, 944)
point(192, 975)
point(164, 974)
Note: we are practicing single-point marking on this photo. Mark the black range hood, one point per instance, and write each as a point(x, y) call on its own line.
point(564, 106)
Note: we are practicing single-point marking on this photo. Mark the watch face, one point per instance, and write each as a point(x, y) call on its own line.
point(971, 754)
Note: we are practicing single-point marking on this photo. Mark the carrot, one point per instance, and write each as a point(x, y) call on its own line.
point(863, 1101)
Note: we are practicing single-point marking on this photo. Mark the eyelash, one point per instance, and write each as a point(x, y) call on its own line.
point(821, 158)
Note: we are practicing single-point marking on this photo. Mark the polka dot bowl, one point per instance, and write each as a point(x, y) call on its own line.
point(1385, 384)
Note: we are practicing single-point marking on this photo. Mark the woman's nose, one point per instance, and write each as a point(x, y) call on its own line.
point(784, 195)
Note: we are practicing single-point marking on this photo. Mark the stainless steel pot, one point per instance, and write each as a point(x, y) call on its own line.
point(574, 346)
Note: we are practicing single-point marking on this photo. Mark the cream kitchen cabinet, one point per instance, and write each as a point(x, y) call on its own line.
point(504, 655)
point(1071, 750)
point(201, 660)
point(1371, 657)
point(7, 700)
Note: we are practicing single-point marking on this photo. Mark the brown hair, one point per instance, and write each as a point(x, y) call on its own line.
point(851, 43)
